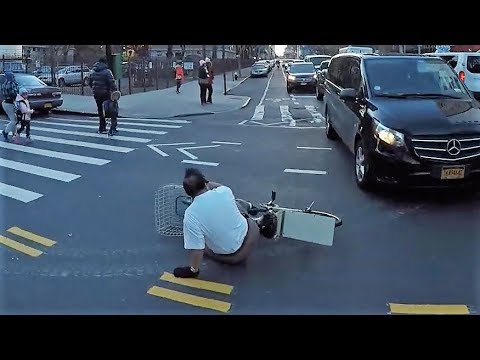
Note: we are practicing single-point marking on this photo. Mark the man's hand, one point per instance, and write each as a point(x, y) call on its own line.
point(185, 272)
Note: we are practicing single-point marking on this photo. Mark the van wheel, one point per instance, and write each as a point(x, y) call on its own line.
point(329, 130)
point(364, 174)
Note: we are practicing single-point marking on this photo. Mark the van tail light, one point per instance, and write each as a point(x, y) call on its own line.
point(461, 75)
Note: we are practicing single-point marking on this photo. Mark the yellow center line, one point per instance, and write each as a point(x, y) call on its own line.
point(198, 284)
point(31, 236)
point(425, 309)
point(194, 300)
point(20, 247)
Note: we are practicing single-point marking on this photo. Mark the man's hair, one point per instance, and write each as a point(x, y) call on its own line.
point(193, 181)
point(102, 60)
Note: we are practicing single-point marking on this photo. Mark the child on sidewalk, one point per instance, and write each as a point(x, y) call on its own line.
point(23, 113)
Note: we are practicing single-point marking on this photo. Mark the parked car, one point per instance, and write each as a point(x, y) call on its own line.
point(42, 97)
point(467, 66)
point(301, 75)
point(321, 76)
point(406, 119)
point(259, 69)
point(73, 75)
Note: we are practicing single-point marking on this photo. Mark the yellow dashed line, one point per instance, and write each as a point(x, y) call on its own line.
point(416, 309)
point(31, 236)
point(198, 284)
point(194, 300)
point(20, 247)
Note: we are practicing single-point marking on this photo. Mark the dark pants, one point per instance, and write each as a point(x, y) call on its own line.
point(179, 83)
point(103, 124)
point(209, 92)
point(24, 124)
point(203, 93)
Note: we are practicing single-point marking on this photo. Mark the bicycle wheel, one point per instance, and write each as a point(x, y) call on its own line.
point(338, 221)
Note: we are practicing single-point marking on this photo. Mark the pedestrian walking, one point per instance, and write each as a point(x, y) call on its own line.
point(23, 114)
point(103, 84)
point(203, 81)
point(208, 63)
point(9, 92)
point(179, 76)
point(110, 108)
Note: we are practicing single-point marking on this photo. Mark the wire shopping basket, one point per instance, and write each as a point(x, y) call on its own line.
point(170, 205)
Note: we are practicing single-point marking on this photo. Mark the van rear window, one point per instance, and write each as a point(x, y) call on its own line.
point(473, 64)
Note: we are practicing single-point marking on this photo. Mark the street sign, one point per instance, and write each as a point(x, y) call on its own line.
point(188, 65)
point(442, 48)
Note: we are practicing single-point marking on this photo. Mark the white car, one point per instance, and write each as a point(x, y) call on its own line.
point(466, 65)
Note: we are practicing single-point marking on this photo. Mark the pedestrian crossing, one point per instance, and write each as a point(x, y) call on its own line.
point(59, 142)
point(291, 116)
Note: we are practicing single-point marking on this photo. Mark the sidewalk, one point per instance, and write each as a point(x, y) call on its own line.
point(166, 103)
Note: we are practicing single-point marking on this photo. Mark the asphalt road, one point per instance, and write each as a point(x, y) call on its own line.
point(394, 247)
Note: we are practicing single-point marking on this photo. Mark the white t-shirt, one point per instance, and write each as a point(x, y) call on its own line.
point(214, 219)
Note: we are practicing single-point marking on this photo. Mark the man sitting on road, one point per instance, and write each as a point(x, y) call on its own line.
point(214, 226)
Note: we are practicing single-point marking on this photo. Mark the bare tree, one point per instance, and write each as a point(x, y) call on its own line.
point(204, 51)
point(169, 51)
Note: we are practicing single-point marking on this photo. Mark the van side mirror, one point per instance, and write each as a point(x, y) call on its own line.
point(348, 94)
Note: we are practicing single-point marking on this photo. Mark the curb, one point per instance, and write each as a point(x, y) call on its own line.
point(241, 82)
point(246, 102)
point(60, 111)
point(192, 114)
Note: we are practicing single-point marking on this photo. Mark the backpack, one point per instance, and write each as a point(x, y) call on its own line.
point(9, 91)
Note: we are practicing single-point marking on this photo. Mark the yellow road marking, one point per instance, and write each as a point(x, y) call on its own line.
point(415, 309)
point(20, 247)
point(198, 284)
point(190, 299)
point(31, 236)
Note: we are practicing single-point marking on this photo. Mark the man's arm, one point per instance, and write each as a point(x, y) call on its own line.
point(194, 241)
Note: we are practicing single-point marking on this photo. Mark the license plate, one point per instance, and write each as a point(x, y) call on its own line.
point(304, 83)
point(453, 173)
point(47, 106)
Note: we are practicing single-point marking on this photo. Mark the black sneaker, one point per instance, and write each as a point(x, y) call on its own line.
point(104, 131)
point(5, 135)
point(111, 132)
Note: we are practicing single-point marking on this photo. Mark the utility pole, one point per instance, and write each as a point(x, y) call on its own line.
point(224, 73)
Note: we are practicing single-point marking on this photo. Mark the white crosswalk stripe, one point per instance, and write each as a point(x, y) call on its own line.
point(60, 140)
point(294, 115)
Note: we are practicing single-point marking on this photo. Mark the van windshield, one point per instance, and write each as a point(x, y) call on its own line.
point(317, 60)
point(413, 77)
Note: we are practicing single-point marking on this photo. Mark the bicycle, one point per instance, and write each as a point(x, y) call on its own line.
point(299, 224)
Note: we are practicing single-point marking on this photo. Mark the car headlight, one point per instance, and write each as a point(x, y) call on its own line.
point(291, 77)
point(388, 136)
point(57, 93)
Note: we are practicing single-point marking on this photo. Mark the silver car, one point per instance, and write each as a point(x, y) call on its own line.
point(259, 69)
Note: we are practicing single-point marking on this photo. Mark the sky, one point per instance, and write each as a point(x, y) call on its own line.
point(279, 49)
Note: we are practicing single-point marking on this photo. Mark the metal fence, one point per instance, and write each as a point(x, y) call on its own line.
point(139, 74)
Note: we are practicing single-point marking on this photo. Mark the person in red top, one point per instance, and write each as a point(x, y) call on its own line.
point(179, 76)
point(210, 80)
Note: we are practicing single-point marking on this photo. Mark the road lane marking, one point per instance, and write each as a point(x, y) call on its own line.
point(158, 151)
point(38, 170)
point(190, 299)
point(305, 96)
point(243, 122)
point(302, 171)
point(198, 284)
point(119, 149)
point(226, 143)
point(184, 143)
point(417, 309)
point(196, 162)
point(150, 120)
point(259, 112)
point(266, 89)
point(17, 193)
point(285, 114)
point(315, 114)
point(54, 154)
point(296, 103)
point(190, 155)
point(259, 123)
point(93, 135)
point(139, 131)
point(313, 148)
point(123, 123)
point(31, 236)
point(20, 247)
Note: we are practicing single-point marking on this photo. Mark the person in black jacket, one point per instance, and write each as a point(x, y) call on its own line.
point(103, 84)
point(203, 81)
